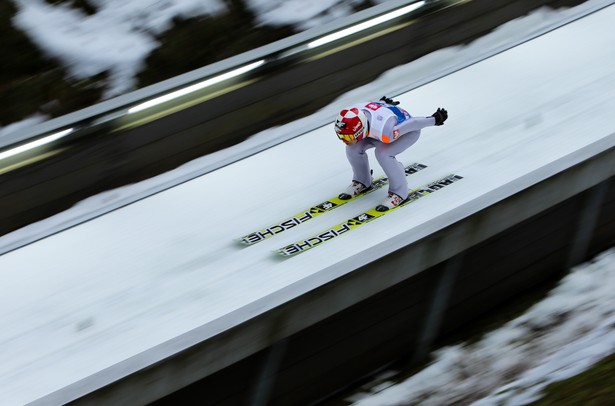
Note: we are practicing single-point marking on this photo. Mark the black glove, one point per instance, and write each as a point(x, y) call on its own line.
point(388, 100)
point(440, 115)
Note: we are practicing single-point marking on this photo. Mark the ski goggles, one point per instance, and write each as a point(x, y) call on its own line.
point(346, 137)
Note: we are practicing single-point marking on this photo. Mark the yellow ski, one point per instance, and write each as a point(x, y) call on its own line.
point(317, 210)
point(361, 219)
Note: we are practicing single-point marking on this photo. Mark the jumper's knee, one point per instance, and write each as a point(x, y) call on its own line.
point(383, 155)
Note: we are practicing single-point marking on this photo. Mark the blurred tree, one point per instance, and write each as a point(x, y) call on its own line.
point(83, 5)
point(19, 92)
point(31, 82)
point(195, 42)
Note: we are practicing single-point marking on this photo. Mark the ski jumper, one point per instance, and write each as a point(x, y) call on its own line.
point(391, 131)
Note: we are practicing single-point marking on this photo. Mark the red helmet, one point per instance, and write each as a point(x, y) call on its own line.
point(351, 124)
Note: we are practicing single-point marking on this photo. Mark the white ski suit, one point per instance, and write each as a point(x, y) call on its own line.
point(392, 130)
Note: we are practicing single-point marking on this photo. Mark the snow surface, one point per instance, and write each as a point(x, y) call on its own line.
point(85, 299)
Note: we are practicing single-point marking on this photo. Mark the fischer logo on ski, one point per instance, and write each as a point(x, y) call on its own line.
point(317, 210)
point(316, 240)
point(283, 226)
point(363, 218)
